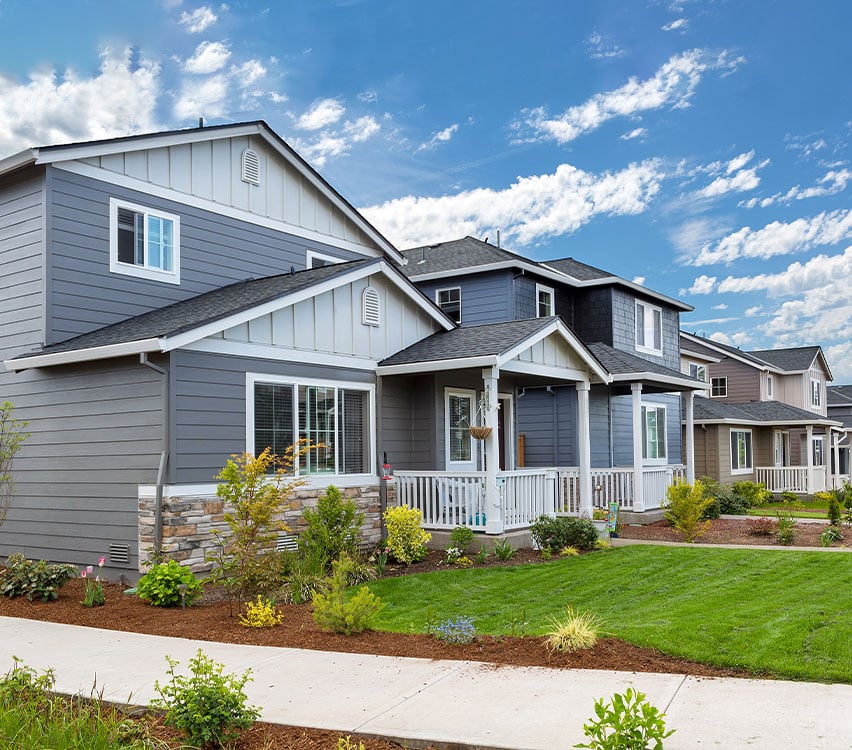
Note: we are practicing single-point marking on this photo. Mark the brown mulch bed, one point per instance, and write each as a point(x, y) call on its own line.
point(732, 531)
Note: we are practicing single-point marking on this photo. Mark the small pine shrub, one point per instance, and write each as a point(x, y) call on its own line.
point(261, 614)
point(336, 613)
point(32, 578)
point(561, 531)
point(574, 632)
point(684, 508)
point(786, 529)
point(762, 526)
point(503, 549)
point(334, 526)
point(628, 722)
point(461, 537)
point(456, 631)
point(209, 707)
point(834, 511)
point(160, 585)
point(406, 541)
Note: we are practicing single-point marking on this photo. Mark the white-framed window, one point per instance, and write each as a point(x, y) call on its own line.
point(741, 456)
point(770, 387)
point(699, 372)
point(816, 393)
point(718, 387)
point(649, 328)
point(544, 301)
point(653, 432)
point(459, 413)
point(316, 259)
point(144, 242)
point(819, 451)
point(449, 300)
point(340, 415)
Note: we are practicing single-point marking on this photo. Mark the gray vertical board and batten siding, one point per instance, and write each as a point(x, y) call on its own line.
point(215, 251)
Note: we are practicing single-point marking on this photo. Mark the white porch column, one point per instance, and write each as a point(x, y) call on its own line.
point(585, 450)
point(809, 450)
point(834, 437)
point(493, 493)
point(688, 403)
point(638, 478)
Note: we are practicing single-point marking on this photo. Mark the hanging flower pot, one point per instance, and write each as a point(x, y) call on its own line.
point(479, 432)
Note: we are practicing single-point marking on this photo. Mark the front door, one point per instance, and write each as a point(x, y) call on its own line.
point(781, 448)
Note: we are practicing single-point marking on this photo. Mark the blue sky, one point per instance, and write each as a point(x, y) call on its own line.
point(698, 147)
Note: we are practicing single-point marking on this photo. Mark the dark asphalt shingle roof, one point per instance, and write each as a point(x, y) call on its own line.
point(619, 362)
point(708, 409)
point(798, 358)
point(470, 341)
point(748, 356)
point(576, 269)
point(454, 255)
point(839, 395)
point(202, 309)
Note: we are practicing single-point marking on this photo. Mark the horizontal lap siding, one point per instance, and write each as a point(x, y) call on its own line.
point(95, 436)
point(214, 251)
point(408, 430)
point(209, 407)
point(485, 298)
point(21, 264)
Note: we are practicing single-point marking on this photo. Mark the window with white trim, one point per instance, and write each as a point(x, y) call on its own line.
point(649, 328)
point(819, 451)
point(770, 387)
point(459, 413)
point(544, 301)
point(816, 393)
point(338, 416)
point(144, 242)
point(741, 456)
point(718, 387)
point(699, 372)
point(653, 432)
point(318, 260)
point(449, 300)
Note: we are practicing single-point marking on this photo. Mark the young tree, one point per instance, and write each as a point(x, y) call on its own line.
point(12, 435)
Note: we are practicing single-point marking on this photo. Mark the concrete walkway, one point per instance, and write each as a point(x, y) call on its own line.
point(445, 703)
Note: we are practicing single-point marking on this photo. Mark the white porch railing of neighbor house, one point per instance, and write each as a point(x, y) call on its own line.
point(792, 478)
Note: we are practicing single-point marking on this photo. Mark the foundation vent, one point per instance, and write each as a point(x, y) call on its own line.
point(287, 543)
point(119, 554)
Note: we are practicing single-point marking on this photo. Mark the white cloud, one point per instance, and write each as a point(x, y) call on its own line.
point(249, 72)
point(322, 113)
point(720, 306)
point(738, 162)
point(202, 98)
point(120, 99)
point(778, 238)
point(702, 285)
point(442, 136)
point(672, 85)
point(368, 97)
point(640, 280)
point(635, 133)
point(200, 19)
point(839, 358)
point(694, 234)
point(722, 338)
point(601, 49)
point(832, 182)
point(208, 58)
point(680, 23)
point(750, 312)
point(531, 209)
point(709, 321)
point(334, 143)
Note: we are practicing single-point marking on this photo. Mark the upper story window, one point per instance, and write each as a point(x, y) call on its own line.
point(653, 432)
point(144, 242)
point(318, 260)
point(544, 301)
point(770, 388)
point(816, 393)
point(699, 372)
point(649, 328)
point(449, 300)
point(718, 387)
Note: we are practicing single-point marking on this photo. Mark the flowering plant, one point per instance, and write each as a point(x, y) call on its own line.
point(94, 596)
point(380, 559)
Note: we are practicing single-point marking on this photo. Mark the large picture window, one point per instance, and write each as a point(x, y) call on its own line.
point(649, 328)
point(741, 458)
point(653, 433)
point(144, 242)
point(338, 417)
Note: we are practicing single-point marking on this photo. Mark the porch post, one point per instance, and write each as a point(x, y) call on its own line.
point(809, 449)
point(835, 449)
point(638, 479)
point(493, 493)
point(689, 402)
point(585, 450)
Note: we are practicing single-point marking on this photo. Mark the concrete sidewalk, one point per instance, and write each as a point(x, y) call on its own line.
point(446, 703)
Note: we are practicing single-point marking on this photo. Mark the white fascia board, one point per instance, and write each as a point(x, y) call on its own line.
point(280, 354)
point(131, 183)
point(655, 377)
point(689, 354)
point(180, 340)
point(768, 423)
point(16, 161)
point(547, 371)
point(724, 353)
point(413, 368)
point(143, 346)
point(406, 286)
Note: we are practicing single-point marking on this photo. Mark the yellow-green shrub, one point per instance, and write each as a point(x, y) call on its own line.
point(261, 614)
point(574, 632)
point(406, 541)
point(337, 613)
point(685, 506)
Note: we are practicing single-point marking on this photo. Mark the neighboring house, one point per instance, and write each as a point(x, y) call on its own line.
point(168, 300)
point(839, 402)
point(765, 417)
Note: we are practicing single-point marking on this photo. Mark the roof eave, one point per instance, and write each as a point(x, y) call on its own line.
point(685, 383)
point(74, 356)
point(20, 160)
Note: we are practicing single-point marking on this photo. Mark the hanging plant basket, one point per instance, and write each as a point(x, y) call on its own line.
point(479, 432)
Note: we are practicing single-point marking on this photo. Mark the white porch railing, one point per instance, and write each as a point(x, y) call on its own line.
point(792, 478)
point(656, 481)
point(608, 486)
point(446, 499)
point(527, 494)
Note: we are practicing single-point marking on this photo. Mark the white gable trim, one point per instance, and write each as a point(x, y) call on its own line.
point(281, 354)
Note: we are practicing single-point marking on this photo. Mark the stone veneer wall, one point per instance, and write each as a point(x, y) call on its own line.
point(189, 522)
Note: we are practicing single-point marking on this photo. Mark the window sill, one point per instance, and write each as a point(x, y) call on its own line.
point(141, 272)
point(648, 350)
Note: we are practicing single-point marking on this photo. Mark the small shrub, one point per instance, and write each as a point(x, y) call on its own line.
point(831, 535)
point(406, 540)
point(754, 493)
point(160, 585)
point(334, 526)
point(834, 512)
point(562, 531)
point(345, 743)
point(789, 497)
point(503, 549)
point(261, 614)
point(29, 578)
point(380, 560)
point(762, 526)
point(786, 531)
point(569, 551)
point(209, 707)
point(457, 631)
point(362, 571)
point(335, 612)
point(461, 537)
point(602, 545)
point(684, 508)
point(482, 556)
point(574, 632)
point(303, 577)
point(453, 554)
point(628, 722)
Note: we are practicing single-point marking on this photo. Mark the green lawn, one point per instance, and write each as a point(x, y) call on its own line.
point(807, 510)
point(785, 613)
